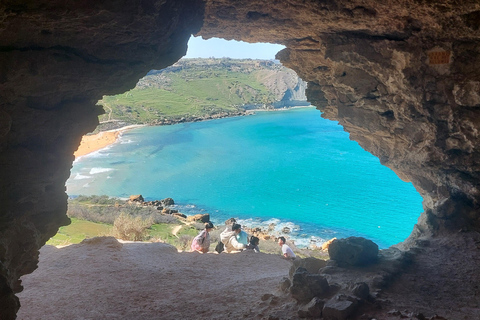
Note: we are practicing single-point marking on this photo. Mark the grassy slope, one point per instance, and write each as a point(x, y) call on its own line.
point(79, 230)
point(193, 87)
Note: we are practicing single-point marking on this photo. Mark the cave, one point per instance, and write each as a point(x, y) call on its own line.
point(403, 78)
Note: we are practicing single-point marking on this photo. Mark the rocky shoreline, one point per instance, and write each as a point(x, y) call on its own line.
point(166, 206)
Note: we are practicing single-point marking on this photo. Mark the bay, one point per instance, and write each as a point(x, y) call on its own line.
point(291, 168)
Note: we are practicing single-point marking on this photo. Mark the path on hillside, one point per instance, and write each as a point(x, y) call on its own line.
point(176, 229)
point(103, 279)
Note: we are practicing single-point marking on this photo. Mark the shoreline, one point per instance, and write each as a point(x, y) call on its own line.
point(103, 139)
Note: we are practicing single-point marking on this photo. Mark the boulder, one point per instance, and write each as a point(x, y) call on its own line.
point(312, 265)
point(286, 230)
point(327, 244)
point(167, 211)
point(167, 202)
point(179, 215)
point(199, 217)
point(361, 290)
point(285, 284)
point(313, 309)
point(353, 251)
point(136, 198)
point(306, 286)
point(230, 222)
point(339, 307)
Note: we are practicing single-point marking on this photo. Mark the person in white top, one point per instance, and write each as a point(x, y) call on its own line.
point(228, 238)
point(286, 250)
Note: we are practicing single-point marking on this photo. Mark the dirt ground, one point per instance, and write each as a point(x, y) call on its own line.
point(104, 279)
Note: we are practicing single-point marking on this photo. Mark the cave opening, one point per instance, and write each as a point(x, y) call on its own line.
point(261, 178)
point(415, 108)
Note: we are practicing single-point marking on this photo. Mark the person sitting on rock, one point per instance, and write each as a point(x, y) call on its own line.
point(201, 243)
point(228, 238)
point(253, 244)
point(286, 250)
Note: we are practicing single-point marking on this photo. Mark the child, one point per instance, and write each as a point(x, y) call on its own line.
point(253, 245)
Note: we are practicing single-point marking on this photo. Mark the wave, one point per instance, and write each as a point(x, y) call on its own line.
point(99, 170)
point(79, 176)
point(126, 141)
point(288, 229)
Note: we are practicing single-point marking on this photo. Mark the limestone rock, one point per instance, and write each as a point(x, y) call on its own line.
point(230, 221)
point(306, 286)
point(109, 242)
point(285, 284)
point(179, 215)
point(361, 290)
point(313, 309)
point(353, 251)
point(327, 244)
point(167, 202)
point(401, 77)
point(169, 211)
point(136, 198)
point(339, 307)
point(199, 217)
point(312, 265)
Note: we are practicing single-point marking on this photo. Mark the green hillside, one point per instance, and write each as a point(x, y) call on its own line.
point(200, 88)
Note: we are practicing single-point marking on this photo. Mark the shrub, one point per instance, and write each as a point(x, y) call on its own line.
point(103, 199)
point(106, 210)
point(131, 228)
point(185, 241)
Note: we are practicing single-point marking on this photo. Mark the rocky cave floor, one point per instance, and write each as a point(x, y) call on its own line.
point(104, 279)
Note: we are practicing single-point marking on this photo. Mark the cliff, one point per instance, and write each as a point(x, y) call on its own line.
point(205, 88)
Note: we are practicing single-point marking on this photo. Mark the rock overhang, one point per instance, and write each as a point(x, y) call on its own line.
point(402, 78)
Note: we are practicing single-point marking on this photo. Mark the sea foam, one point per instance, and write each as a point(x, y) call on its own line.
point(79, 176)
point(99, 170)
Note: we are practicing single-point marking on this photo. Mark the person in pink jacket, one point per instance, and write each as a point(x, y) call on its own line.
point(201, 243)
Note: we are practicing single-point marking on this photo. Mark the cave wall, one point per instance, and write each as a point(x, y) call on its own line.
point(57, 59)
point(402, 77)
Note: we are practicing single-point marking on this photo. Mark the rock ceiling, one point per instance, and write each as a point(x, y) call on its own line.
point(402, 77)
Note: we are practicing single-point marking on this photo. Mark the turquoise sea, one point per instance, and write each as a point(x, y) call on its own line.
point(291, 168)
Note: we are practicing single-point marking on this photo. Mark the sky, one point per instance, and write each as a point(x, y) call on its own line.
point(220, 48)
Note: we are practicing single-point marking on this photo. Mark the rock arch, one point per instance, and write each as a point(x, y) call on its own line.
point(402, 78)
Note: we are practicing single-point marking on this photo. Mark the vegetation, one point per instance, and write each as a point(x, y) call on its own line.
point(94, 216)
point(104, 209)
point(127, 227)
point(79, 230)
point(196, 88)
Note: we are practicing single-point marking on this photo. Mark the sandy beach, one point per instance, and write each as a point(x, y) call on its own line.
point(95, 142)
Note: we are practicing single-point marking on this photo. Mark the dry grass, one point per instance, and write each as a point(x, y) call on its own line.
point(131, 228)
